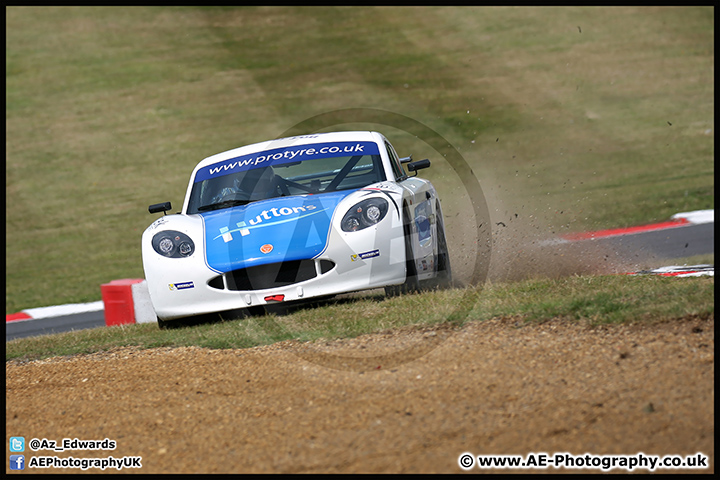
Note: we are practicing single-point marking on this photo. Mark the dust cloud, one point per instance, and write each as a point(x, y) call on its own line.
point(524, 243)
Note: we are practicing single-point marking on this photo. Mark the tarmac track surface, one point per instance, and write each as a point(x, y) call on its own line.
point(493, 387)
point(657, 247)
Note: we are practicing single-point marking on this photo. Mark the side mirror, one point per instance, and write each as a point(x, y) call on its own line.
point(419, 165)
point(160, 207)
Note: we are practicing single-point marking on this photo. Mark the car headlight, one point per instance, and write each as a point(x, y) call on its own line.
point(364, 214)
point(173, 244)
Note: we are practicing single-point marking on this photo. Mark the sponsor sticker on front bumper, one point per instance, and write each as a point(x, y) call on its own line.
point(181, 286)
point(365, 255)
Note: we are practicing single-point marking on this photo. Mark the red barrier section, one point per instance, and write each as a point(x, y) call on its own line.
point(626, 231)
point(16, 316)
point(118, 299)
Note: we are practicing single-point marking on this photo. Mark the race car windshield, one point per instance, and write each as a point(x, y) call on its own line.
point(222, 187)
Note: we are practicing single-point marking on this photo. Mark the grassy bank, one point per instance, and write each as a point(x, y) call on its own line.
point(591, 300)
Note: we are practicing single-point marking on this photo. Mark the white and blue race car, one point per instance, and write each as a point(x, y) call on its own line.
point(294, 219)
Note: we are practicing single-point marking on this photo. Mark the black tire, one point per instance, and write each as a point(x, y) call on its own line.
point(188, 321)
point(169, 324)
point(444, 270)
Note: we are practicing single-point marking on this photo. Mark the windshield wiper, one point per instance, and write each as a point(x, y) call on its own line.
point(223, 204)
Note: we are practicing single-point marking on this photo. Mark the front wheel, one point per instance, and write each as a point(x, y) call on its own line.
point(169, 324)
point(188, 321)
point(443, 270)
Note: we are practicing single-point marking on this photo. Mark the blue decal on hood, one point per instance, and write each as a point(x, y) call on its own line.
point(296, 227)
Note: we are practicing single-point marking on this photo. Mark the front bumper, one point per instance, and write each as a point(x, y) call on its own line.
point(371, 258)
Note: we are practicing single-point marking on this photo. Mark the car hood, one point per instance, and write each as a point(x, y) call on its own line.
point(269, 231)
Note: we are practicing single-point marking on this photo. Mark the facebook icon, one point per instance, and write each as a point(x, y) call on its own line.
point(17, 462)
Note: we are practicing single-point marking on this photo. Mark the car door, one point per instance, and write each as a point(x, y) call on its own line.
point(419, 205)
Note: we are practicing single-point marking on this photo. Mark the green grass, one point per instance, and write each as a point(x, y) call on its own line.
point(589, 300)
point(603, 114)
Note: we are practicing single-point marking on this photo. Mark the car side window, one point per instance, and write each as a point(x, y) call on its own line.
point(397, 169)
